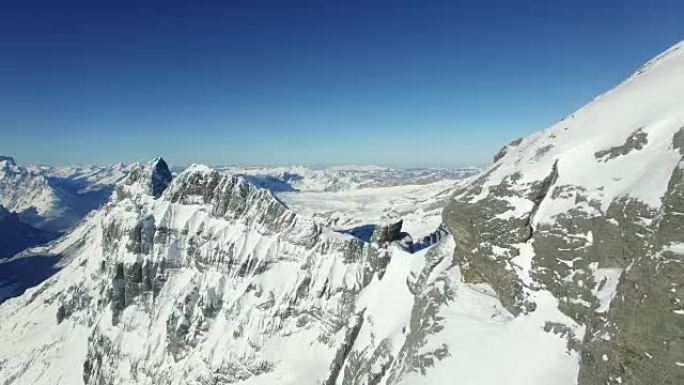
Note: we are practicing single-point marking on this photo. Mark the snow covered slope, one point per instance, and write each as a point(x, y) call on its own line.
point(83, 179)
point(419, 206)
point(54, 198)
point(585, 220)
point(564, 267)
point(207, 279)
point(26, 192)
point(344, 178)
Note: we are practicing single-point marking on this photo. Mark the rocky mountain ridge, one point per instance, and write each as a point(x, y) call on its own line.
point(584, 218)
point(206, 265)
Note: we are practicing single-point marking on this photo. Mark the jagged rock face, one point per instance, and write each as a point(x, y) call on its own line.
point(232, 197)
point(150, 179)
point(388, 233)
point(505, 149)
point(210, 282)
point(583, 219)
point(215, 281)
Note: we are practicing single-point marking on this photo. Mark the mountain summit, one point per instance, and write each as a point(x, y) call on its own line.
point(7, 160)
point(583, 222)
point(151, 178)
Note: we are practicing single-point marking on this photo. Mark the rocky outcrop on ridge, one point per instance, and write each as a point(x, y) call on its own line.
point(585, 218)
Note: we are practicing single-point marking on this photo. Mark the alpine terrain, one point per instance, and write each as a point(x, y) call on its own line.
point(55, 198)
point(561, 263)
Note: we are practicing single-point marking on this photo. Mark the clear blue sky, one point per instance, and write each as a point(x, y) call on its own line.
point(397, 83)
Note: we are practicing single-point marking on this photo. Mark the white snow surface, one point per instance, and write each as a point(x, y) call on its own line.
point(477, 343)
point(419, 206)
point(55, 198)
point(267, 294)
point(88, 177)
point(344, 178)
point(22, 189)
point(650, 101)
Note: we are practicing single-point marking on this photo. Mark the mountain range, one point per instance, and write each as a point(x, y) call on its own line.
point(560, 263)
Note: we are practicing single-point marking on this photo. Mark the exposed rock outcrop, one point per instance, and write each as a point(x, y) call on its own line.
point(579, 220)
point(384, 234)
point(151, 179)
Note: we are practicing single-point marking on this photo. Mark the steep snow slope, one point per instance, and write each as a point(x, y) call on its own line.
point(211, 280)
point(585, 219)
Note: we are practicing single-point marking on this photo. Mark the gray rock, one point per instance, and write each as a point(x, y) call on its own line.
point(153, 178)
point(641, 336)
point(388, 233)
point(636, 141)
point(505, 149)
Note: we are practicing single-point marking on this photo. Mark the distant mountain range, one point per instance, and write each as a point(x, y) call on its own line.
point(55, 198)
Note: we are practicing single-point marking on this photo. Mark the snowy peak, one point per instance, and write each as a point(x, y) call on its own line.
point(658, 59)
point(28, 193)
point(575, 224)
point(55, 198)
point(625, 137)
point(6, 161)
point(200, 184)
point(160, 176)
point(233, 197)
point(150, 179)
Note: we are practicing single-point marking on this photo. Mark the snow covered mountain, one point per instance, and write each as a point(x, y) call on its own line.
point(419, 206)
point(584, 222)
point(344, 178)
point(564, 266)
point(208, 278)
point(30, 194)
point(83, 179)
point(201, 278)
point(54, 198)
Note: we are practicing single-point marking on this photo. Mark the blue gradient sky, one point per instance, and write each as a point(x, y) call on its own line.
point(398, 83)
